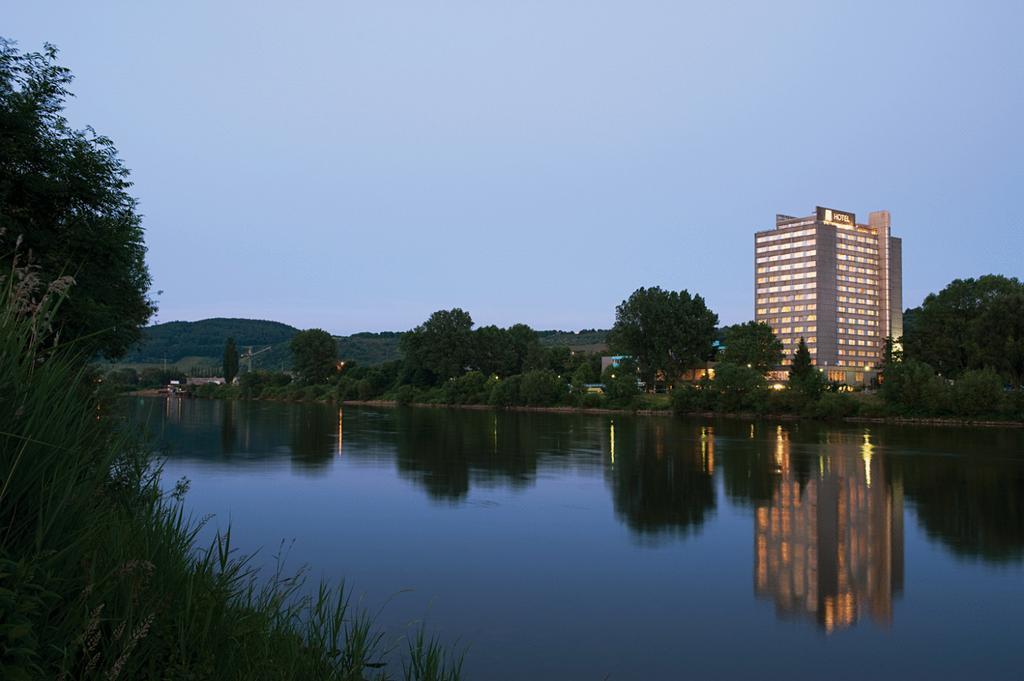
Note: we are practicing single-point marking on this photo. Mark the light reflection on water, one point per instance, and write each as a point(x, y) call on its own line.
point(533, 535)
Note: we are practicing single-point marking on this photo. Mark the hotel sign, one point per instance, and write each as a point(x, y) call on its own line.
point(836, 217)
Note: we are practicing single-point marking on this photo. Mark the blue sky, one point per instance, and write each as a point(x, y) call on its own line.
point(355, 166)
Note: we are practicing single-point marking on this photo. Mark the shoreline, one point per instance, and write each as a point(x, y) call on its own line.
point(945, 422)
point(743, 416)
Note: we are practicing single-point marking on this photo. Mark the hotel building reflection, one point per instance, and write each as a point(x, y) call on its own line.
point(829, 544)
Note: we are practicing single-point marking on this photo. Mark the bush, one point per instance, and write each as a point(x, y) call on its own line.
point(592, 400)
point(505, 393)
point(978, 393)
point(739, 388)
point(620, 383)
point(470, 388)
point(542, 388)
point(405, 394)
point(685, 399)
point(912, 388)
point(835, 406)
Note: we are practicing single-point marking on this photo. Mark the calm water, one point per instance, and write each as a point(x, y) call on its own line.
point(592, 547)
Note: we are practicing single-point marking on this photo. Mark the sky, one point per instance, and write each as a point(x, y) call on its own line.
point(355, 166)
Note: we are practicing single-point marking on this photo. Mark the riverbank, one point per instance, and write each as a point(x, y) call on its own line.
point(937, 421)
point(746, 416)
point(101, 575)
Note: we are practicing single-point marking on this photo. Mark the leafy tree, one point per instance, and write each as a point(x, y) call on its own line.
point(440, 348)
point(64, 194)
point(620, 382)
point(739, 387)
point(978, 392)
point(912, 387)
point(541, 388)
point(493, 351)
point(314, 356)
point(230, 361)
point(522, 339)
point(583, 375)
point(664, 330)
point(945, 331)
point(505, 392)
point(998, 337)
point(752, 344)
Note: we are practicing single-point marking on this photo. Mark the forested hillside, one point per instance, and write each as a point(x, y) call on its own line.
point(176, 340)
point(201, 343)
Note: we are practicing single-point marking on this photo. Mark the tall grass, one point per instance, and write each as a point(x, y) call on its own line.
point(100, 574)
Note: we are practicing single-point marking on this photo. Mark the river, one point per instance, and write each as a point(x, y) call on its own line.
point(562, 546)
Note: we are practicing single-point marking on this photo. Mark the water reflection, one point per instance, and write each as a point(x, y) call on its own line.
point(826, 501)
point(661, 485)
point(830, 548)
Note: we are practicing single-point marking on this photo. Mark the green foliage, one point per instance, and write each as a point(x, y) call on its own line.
point(440, 348)
point(254, 384)
point(805, 380)
point(739, 388)
point(123, 378)
point(230, 363)
point(911, 387)
point(753, 344)
point(158, 378)
point(834, 406)
point(663, 330)
point(970, 324)
point(100, 575)
point(998, 337)
point(314, 356)
point(505, 393)
point(472, 387)
point(542, 388)
point(369, 348)
point(979, 392)
point(174, 341)
point(620, 382)
point(64, 197)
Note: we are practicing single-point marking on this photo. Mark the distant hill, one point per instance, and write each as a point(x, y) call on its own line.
point(174, 341)
point(201, 343)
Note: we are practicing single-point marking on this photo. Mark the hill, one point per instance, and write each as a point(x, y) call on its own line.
point(191, 345)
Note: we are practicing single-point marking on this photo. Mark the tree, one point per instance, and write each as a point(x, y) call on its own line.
point(314, 356)
point(493, 352)
point(803, 377)
point(620, 381)
point(945, 331)
point(739, 387)
point(754, 345)
point(230, 361)
point(64, 194)
point(663, 330)
point(440, 348)
point(998, 337)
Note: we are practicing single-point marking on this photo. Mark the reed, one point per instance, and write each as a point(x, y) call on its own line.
point(101, 576)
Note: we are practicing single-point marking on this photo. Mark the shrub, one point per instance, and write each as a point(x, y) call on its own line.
point(739, 388)
point(470, 388)
point(405, 394)
point(620, 383)
point(542, 387)
point(911, 387)
point(592, 400)
point(505, 393)
point(833, 405)
point(978, 392)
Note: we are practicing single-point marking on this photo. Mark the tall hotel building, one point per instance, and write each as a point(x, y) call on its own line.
point(836, 284)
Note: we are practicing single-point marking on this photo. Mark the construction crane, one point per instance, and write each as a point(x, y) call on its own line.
point(249, 354)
